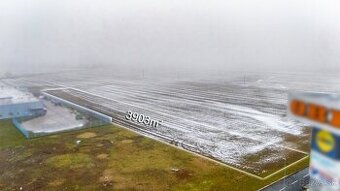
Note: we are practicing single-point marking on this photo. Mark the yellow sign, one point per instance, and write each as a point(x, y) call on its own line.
point(325, 141)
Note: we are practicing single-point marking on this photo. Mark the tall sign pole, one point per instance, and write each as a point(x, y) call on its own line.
point(322, 112)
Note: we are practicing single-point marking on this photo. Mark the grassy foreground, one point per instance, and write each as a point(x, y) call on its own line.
point(111, 158)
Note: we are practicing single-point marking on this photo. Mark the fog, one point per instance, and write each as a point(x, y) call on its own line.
point(170, 35)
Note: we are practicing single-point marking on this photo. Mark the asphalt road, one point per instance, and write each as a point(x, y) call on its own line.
point(294, 182)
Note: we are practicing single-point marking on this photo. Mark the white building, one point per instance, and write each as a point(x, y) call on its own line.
point(15, 103)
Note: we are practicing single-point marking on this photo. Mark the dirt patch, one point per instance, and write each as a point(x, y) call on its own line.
point(57, 182)
point(182, 174)
point(107, 178)
point(106, 143)
point(102, 156)
point(37, 184)
point(99, 145)
point(86, 135)
point(127, 141)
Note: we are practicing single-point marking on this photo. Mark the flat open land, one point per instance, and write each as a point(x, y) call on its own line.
point(237, 121)
point(112, 158)
point(250, 140)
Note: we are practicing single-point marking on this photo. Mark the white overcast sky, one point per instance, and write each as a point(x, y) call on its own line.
point(254, 35)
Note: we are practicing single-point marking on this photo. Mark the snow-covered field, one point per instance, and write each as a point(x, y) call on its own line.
point(240, 121)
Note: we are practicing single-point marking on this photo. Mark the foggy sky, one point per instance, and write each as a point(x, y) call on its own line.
point(171, 35)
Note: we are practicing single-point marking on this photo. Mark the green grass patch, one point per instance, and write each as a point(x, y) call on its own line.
point(9, 135)
point(113, 159)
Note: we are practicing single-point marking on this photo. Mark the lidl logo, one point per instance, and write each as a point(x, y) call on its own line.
point(325, 141)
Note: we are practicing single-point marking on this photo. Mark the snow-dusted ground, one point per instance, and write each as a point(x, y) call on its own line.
point(239, 121)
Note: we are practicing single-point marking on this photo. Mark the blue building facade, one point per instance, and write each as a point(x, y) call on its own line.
point(22, 109)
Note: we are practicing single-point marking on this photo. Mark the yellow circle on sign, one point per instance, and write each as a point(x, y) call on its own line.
point(325, 141)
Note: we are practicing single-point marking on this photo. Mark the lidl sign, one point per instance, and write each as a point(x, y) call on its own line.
point(315, 112)
point(326, 143)
point(317, 109)
point(322, 113)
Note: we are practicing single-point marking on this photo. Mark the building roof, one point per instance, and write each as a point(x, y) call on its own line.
point(10, 95)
